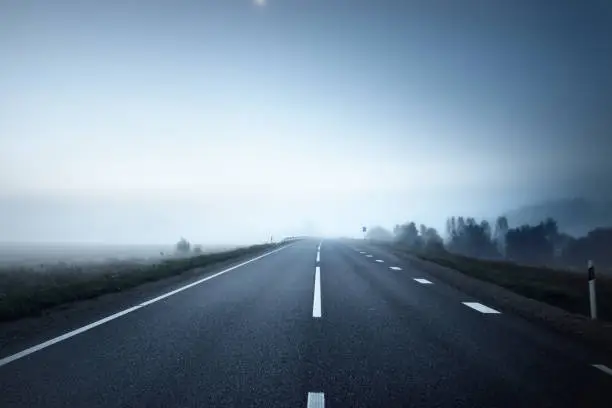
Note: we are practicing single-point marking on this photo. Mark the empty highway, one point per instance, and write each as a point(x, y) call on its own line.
point(312, 324)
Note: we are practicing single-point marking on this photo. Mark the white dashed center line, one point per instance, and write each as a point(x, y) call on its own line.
point(315, 400)
point(361, 252)
point(603, 368)
point(395, 268)
point(480, 307)
point(316, 302)
point(380, 260)
point(318, 256)
point(369, 256)
point(423, 281)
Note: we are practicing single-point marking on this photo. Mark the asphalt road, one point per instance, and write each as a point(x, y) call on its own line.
point(360, 332)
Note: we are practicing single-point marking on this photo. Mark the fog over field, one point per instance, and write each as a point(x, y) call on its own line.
point(35, 254)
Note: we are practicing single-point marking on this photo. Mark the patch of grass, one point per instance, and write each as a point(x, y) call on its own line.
point(565, 289)
point(26, 291)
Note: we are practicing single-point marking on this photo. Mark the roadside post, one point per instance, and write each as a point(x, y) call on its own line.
point(592, 293)
point(364, 229)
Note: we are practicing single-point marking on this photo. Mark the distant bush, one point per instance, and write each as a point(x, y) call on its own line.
point(183, 246)
point(379, 234)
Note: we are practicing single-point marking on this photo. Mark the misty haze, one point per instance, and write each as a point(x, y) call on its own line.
point(281, 202)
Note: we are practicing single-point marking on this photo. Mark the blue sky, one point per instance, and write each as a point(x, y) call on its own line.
point(231, 120)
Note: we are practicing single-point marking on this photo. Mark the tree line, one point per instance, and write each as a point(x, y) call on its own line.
point(541, 244)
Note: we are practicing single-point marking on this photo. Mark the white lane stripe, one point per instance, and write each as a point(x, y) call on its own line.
point(362, 252)
point(380, 260)
point(319, 247)
point(423, 281)
point(65, 336)
point(603, 368)
point(316, 302)
point(318, 256)
point(369, 256)
point(107, 319)
point(480, 307)
point(315, 400)
point(395, 268)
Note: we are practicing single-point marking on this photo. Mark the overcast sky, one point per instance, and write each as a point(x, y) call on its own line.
point(234, 120)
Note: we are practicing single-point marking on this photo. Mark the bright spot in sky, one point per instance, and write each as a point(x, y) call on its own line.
point(260, 3)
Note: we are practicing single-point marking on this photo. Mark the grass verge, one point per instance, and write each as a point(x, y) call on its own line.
point(567, 290)
point(28, 292)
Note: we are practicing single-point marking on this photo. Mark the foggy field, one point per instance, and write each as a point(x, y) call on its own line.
point(28, 288)
point(37, 254)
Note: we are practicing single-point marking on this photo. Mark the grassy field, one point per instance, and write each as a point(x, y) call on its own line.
point(47, 254)
point(567, 290)
point(28, 290)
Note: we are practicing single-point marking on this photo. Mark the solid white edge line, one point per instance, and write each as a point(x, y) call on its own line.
point(395, 268)
point(603, 368)
point(315, 400)
point(316, 300)
point(380, 260)
point(423, 281)
point(480, 307)
point(107, 319)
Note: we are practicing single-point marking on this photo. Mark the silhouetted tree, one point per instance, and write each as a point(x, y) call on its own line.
point(596, 246)
point(471, 238)
point(407, 234)
point(451, 229)
point(183, 246)
point(499, 236)
point(378, 233)
point(460, 225)
point(530, 244)
point(431, 239)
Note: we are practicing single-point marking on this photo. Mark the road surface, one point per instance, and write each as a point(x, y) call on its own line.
point(343, 326)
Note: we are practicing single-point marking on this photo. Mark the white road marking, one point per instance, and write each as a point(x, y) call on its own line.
point(319, 247)
point(603, 368)
point(480, 307)
point(316, 302)
point(107, 319)
point(423, 281)
point(318, 256)
point(380, 260)
point(395, 268)
point(315, 400)
point(362, 252)
point(369, 256)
